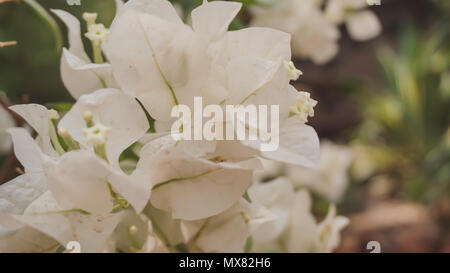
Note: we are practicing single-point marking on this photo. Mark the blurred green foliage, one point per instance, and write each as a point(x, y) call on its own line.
point(406, 132)
point(32, 66)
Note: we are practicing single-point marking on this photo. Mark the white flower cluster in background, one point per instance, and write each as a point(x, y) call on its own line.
point(314, 24)
point(81, 184)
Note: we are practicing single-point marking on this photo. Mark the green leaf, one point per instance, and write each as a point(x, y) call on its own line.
point(248, 245)
point(39, 10)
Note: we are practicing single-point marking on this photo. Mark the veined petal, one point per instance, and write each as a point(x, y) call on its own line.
point(80, 77)
point(26, 240)
point(78, 180)
point(298, 144)
point(201, 190)
point(26, 150)
point(246, 76)
point(91, 231)
point(17, 194)
point(211, 19)
point(278, 197)
point(149, 66)
point(229, 230)
point(135, 188)
point(37, 117)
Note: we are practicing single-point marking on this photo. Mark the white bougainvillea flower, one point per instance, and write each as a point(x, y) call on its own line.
point(229, 230)
point(113, 109)
point(6, 121)
point(273, 88)
point(305, 235)
point(91, 231)
point(37, 116)
point(193, 187)
point(278, 197)
point(19, 195)
point(16, 195)
point(79, 75)
point(329, 230)
point(313, 36)
point(330, 178)
point(126, 128)
point(362, 25)
point(164, 62)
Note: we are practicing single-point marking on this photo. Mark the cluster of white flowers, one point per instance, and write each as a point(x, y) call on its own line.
point(174, 195)
point(314, 24)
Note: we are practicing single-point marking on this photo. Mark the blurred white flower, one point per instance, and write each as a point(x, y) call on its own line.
point(303, 233)
point(277, 196)
point(362, 25)
point(313, 36)
point(228, 231)
point(330, 178)
point(314, 31)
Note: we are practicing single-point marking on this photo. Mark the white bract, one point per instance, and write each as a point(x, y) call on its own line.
point(330, 178)
point(300, 232)
point(362, 25)
point(77, 187)
point(79, 74)
point(315, 32)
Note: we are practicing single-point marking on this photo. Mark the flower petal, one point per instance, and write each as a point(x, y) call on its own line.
point(149, 66)
point(91, 231)
point(17, 194)
point(79, 180)
point(278, 197)
point(211, 19)
point(363, 25)
point(298, 144)
point(229, 230)
point(257, 42)
point(37, 117)
point(203, 189)
point(26, 150)
point(81, 77)
point(73, 26)
point(127, 125)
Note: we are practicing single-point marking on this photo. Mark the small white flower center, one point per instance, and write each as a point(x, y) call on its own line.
point(133, 230)
point(97, 134)
point(292, 71)
point(53, 114)
point(303, 106)
point(97, 33)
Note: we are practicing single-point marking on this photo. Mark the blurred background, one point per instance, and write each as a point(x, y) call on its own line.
point(383, 113)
